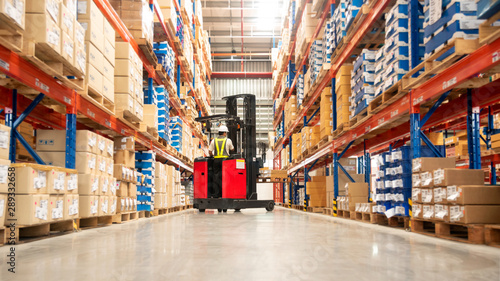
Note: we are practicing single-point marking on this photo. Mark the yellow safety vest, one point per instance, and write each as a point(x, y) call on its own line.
point(221, 152)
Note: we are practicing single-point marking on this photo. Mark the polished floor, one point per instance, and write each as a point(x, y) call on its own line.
point(251, 245)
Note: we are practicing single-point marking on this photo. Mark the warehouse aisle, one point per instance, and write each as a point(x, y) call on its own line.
point(252, 245)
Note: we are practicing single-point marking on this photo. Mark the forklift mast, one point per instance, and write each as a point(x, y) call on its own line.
point(248, 138)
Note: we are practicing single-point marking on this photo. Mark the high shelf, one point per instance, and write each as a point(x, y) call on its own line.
point(78, 109)
point(458, 96)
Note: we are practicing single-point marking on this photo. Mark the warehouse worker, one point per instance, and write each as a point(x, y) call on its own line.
point(219, 149)
point(221, 145)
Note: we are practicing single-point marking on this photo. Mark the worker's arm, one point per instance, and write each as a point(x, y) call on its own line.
point(211, 148)
point(230, 145)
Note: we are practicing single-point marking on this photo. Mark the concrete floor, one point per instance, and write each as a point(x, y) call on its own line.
point(252, 245)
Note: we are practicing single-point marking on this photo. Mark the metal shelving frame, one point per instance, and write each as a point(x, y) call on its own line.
point(14, 66)
point(401, 120)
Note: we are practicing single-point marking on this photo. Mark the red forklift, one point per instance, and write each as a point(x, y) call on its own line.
point(238, 178)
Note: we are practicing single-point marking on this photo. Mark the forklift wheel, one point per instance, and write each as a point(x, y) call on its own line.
point(225, 210)
point(237, 210)
point(202, 210)
point(270, 206)
point(219, 210)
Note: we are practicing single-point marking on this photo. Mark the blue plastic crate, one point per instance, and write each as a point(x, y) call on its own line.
point(145, 156)
point(143, 198)
point(144, 164)
point(144, 190)
point(144, 207)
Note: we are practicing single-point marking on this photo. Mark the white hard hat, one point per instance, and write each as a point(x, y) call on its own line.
point(223, 129)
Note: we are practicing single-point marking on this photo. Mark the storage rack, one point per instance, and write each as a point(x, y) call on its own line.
point(398, 120)
point(77, 108)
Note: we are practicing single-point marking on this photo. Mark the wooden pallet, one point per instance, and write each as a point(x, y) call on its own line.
point(360, 118)
point(52, 63)
point(343, 214)
point(96, 97)
point(31, 233)
point(492, 235)
point(4, 233)
point(386, 98)
point(362, 216)
point(273, 180)
point(147, 50)
point(488, 33)
point(432, 67)
point(125, 217)
point(328, 211)
point(96, 222)
point(468, 233)
point(315, 209)
point(141, 214)
point(396, 221)
point(341, 128)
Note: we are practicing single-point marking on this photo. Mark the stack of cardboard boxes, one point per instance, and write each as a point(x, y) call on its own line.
point(452, 195)
point(305, 31)
point(129, 96)
point(316, 189)
point(137, 17)
point(124, 171)
point(94, 163)
point(53, 26)
point(343, 92)
point(326, 113)
point(357, 192)
point(290, 110)
point(349, 165)
point(100, 51)
point(4, 170)
point(458, 145)
point(45, 194)
point(161, 186)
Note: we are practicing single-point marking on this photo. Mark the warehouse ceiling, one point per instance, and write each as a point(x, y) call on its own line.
point(261, 23)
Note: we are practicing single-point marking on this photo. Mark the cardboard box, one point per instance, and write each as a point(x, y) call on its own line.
point(109, 53)
point(417, 210)
point(89, 206)
point(125, 68)
point(4, 179)
point(49, 7)
point(55, 140)
point(124, 102)
point(473, 195)
point(161, 185)
point(67, 21)
point(89, 184)
point(86, 163)
point(132, 190)
point(80, 59)
point(31, 209)
point(441, 212)
point(94, 79)
point(80, 34)
point(427, 196)
point(72, 182)
point(93, 33)
point(57, 159)
point(87, 10)
point(30, 179)
point(150, 115)
point(121, 188)
point(4, 142)
point(71, 206)
point(427, 211)
point(426, 179)
point(56, 207)
point(123, 50)
point(109, 34)
point(483, 214)
point(43, 29)
point(356, 189)
point(125, 157)
point(16, 15)
point(439, 195)
point(108, 71)
point(429, 164)
point(105, 186)
point(138, 110)
point(104, 208)
point(68, 49)
point(56, 181)
point(356, 199)
point(447, 177)
point(416, 194)
point(125, 85)
point(113, 204)
point(3, 209)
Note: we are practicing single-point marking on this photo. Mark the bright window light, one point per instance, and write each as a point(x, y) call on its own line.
point(267, 14)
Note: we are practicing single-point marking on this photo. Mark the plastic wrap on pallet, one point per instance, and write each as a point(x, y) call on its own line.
point(362, 82)
point(316, 59)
